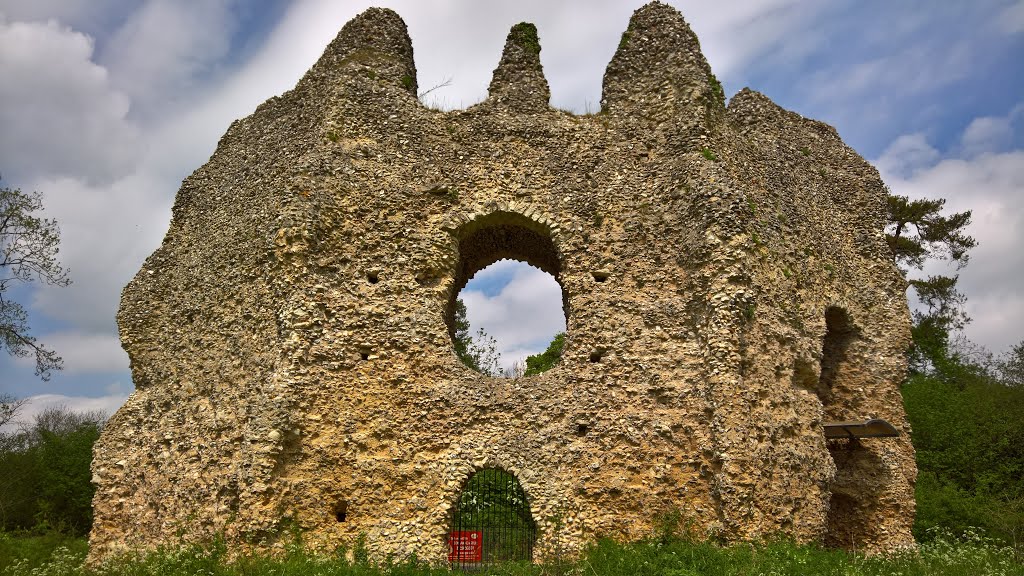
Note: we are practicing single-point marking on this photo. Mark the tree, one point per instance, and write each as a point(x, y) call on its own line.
point(45, 472)
point(1011, 366)
point(28, 253)
point(478, 352)
point(9, 407)
point(540, 362)
point(969, 440)
point(917, 231)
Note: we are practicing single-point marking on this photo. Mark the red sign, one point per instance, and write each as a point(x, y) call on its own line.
point(465, 547)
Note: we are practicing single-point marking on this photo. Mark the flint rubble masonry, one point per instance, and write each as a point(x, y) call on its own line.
point(290, 346)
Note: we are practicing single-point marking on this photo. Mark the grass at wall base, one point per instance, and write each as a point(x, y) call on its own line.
point(970, 554)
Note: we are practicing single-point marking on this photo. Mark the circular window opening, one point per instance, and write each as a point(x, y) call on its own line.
point(507, 314)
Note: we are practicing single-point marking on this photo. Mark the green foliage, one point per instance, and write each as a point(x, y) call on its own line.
point(538, 363)
point(716, 89)
point(942, 555)
point(624, 39)
point(460, 337)
point(28, 253)
point(409, 82)
point(917, 231)
point(1011, 366)
point(494, 503)
point(479, 352)
point(969, 437)
point(930, 351)
point(708, 154)
point(525, 34)
point(805, 150)
point(9, 407)
point(50, 553)
point(45, 473)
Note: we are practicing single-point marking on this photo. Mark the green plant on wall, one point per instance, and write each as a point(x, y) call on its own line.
point(716, 89)
point(525, 34)
point(624, 39)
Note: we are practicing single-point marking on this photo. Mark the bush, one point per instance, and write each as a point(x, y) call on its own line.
point(45, 473)
point(969, 436)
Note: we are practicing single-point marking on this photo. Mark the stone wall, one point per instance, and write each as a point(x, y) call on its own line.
point(726, 283)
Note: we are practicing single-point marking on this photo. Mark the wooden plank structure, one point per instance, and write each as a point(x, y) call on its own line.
point(873, 428)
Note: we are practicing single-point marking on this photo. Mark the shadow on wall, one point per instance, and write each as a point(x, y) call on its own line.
point(861, 477)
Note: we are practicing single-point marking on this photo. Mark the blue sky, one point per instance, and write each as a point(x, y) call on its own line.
point(106, 105)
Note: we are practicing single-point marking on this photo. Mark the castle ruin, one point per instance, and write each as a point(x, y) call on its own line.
point(730, 302)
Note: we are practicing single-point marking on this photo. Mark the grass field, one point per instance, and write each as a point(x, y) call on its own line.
point(967, 555)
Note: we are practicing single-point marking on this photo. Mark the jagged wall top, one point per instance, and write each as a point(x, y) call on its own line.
point(658, 69)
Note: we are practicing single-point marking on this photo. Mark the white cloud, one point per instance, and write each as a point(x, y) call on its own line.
point(92, 17)
point(106, 405)
point(523, 317)
point(163, 48)
point(85, 353)
point(986, 134)
point(1011, 19)
point(906, 155)
point(920, 68)
point(106, 233)
point(991, 133)
point(991, 185)
point(733, 37)
point(60, 115)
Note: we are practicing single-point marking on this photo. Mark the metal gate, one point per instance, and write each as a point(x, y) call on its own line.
point(491, 522)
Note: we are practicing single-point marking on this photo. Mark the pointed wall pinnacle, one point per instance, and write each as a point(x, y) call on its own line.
point(518, 82)
point(658, 70)
point(377, 39)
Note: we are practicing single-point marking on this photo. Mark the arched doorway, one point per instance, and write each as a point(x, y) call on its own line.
point(491, 522)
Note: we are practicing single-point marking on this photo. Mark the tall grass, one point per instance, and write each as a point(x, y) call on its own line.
point(969, 554)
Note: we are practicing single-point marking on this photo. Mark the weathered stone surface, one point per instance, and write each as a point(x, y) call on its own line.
point(726, 284)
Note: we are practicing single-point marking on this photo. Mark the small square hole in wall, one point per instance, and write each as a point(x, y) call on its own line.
point(596, 355)
point(364, 354)
point(373, 277)
point(582, 429)
point(340, 511)
point(600, 275)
